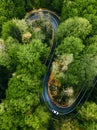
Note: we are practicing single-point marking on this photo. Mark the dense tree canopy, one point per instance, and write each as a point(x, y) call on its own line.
point(24, 50)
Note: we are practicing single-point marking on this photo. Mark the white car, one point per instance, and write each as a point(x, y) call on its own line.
point(55, 112)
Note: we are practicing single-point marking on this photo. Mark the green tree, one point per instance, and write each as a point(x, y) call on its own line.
point(21, 24)
point(78, 8)
point(7, 8)
point(10, 29)
point(77, 27)
point(93, 21)
point(91, 40)
point(70, 45)
point(87, 115)
point(88, 112)
point(19, 8)
point(39, 120)
point(9, 55)
point(92, 48)
point(82, 72)
point(32, 56)
point(2, 20)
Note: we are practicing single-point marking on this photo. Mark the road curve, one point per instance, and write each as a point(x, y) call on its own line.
point(52, 107)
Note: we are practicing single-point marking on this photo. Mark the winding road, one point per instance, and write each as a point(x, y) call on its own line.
point(52, 107)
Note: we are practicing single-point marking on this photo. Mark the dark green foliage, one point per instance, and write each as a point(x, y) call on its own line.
point(10, 29)
point(57, 5)
point(4, 76)
point(77, 27)
point(49, 4)
point(70, 45)
point(32, 4)
point(19, 8)
point(91, 40)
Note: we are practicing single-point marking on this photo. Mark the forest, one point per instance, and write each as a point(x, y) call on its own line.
point(24, 49)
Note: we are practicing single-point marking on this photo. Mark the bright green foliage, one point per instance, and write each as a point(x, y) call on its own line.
point(2, 20)
point(78, 8)
point(88, 112)
point(92, 48)
point(88, 116)
point(7, 8)
point(83, 71)
point(6, 12)
point(21, 84)
point(70, 45)
point(23, 91)
point(70, 125)
point(10, 29)
point(12, 8)
point(9, 55)
point(69, 9)
point(39, 120)
point(77, 27)
point(23, 65)
point(81, 8)
point(24, 30)
point(30, 56)
point(12, 119)
point(22, 96)
point(21, 24)
point(93, 21)
point(4, 57)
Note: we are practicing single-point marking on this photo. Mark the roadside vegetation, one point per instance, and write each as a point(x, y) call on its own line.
point(24, 49)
